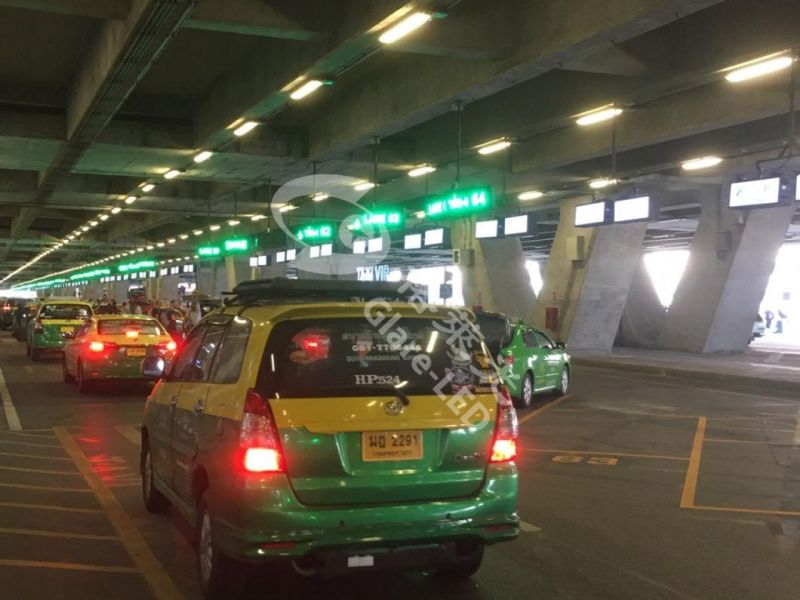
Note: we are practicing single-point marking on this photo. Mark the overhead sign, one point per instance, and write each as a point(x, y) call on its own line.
point(588, 215)
point(90, 274)
point(147, 263)
point(459, 202)
point(632, 209)
point(236, 245)
point(390, 219)
point(314, 233)
point(373, 273)
point(208, 251)
point(761, 192)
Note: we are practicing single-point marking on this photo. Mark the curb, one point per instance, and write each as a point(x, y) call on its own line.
point(782, 385)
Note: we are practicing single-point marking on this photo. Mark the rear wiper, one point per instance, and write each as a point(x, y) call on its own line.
point(399, 394)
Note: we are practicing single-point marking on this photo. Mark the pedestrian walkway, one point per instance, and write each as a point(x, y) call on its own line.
point(773, 367)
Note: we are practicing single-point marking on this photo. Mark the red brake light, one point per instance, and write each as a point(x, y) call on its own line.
point(504, 445)
point(97, 346)
point(259, 437)
point(172, 346)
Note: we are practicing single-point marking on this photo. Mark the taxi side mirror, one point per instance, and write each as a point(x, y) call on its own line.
point(561, 345)
point(153, 367)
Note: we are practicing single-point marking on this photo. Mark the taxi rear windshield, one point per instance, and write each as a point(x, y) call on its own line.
point(64, 311)
point(122, 326)
point(338, 357)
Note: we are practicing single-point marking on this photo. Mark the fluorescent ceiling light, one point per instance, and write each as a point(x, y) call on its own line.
point(493, 146)
point(160, 244)
point(171, 240)
point(103, 217)
point(421, 170)
point(320, 196)
point(116, 210)
point(363, 186)
point(84, 228)
point(71, 236)
point(234, 222)
point(172, 174)
point(130, 199)
point(304, 90)
point(198, 232)
point(149, 247)
point(404, 27)
point(598, 115)
point(257, 217)
point(93, 223)
point(701, 163)
point(287, 208)
point(530, 195)
point(214, 227)
point(759, 67)
point(184, 236)
point(245, 128)
point(147, 187)
point(202, 156)
point(599, 184)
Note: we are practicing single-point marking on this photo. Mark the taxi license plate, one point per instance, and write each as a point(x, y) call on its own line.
point(137, 352)
point(66, 329)
point(391, 445)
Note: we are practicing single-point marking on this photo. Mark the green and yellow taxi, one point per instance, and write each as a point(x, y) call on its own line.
point(53, 319)
point(335, 425)
point(111, 347)
point(530, 361)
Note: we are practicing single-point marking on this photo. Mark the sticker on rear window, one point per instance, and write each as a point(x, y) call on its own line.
point(373, 379)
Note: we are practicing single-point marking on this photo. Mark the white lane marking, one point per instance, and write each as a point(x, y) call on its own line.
point(12, 418)
point(528, 527)
point(130, 433)
point(774, 358)
point(796, 439)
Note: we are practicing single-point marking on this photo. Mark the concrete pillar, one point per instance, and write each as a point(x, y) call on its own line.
point(493, 273)
point(275, 270)
point(643, 317)
point(732, 257)
point(237, 269)
point(587, 278)
point(167, 287)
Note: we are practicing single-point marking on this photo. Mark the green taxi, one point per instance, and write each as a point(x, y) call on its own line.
point(319, 423)
point(530, 362)
point(53, 319)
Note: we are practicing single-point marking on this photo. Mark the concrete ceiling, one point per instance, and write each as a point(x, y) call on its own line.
point(121, 91)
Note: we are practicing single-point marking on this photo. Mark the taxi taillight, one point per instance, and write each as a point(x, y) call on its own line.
point(99, 347)
point(37, 326)
point(259, 437)
point(504, 444)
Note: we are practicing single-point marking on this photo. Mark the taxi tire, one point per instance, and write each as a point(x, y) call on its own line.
point(520, 401)
point(84, 385)
point(564, 382)
point(65, 376)
point(154, 501)
point(226, 578)
point(464, 568)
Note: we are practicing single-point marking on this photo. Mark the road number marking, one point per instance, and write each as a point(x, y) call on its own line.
point(572, 459)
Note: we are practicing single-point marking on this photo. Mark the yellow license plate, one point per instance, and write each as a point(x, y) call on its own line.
point(391, 445)
point(137, 351)
point(66, 329)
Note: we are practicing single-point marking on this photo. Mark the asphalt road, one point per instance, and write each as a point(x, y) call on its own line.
point(633, 487)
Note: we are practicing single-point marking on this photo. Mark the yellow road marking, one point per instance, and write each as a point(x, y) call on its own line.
point(56, 534)
point(43, 471)
point(130, 433)
point(41, 564)
point(28, 434)
point(49, 507)
point(148, 565)
point(35, 456)
point(627, 454)
point(727, 441)
point(754, 511)
point(693, 470)
point(528, 527)
point(541, 409)
point(46, 488)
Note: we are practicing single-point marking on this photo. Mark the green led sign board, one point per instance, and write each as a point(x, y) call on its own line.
point(314, 232)
point(236, 245)
point(389, 219)
point(208, 251)
point(90, 274)
point(460, 202)
point(136, 266)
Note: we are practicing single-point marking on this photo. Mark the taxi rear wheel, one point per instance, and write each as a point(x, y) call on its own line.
point(66, 377)
point(466, 567)
point(154, 500)
point(525, 398)
point(220, 576)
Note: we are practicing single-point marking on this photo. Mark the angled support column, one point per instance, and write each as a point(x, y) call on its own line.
point(732, 257)
point(643, 317)
point(588, 278)
point(493, 273)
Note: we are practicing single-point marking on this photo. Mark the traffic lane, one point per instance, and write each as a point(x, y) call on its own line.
point(604, 498)
point(42, 400)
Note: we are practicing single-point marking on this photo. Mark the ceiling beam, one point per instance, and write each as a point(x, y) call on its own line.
point(96, 9)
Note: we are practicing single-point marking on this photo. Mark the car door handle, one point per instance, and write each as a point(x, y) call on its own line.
point(199, 407)
point(173, 401)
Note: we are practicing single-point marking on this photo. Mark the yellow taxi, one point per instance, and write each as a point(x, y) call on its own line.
point(111, 347)
point(334, 425)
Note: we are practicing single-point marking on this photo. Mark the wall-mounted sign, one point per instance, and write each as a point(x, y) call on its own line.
point(459, 202)
point(147, 263)
point(90, 274)
point(373, 273)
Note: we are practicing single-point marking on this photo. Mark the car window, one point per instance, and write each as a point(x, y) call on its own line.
point(229, 358)
point(121, 326)
point(83, 329)
point(185, 358)
point(495, 330)
point(529, 337)
point(544, 341)
point(64, 311)
point(207, 350)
